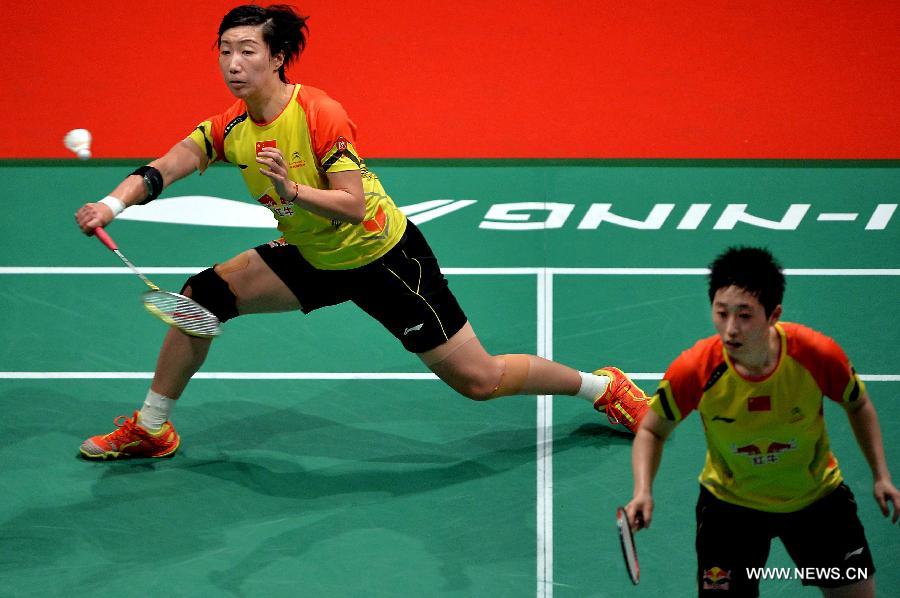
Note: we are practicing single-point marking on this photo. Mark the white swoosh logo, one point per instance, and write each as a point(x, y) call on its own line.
point(854, 553)
point(205, 210)
point(413, 329)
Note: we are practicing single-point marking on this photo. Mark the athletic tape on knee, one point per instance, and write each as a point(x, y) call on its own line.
point(238, 262)
point(212, 292)
point(514, 375)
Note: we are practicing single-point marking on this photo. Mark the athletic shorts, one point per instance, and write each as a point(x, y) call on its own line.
point(404, 289)
point(825, 540)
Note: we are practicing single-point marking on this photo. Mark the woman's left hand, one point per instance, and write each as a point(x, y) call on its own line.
point(275, 167)
point(886, 495)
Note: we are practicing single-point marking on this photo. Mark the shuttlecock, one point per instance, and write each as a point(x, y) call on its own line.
point(79, 141)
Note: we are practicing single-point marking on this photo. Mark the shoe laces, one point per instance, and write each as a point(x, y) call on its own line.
point(621, 400)
point(609, 406)
point(126, 429)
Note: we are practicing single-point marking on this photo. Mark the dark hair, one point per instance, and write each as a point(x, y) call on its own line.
point(752, 269)
point(283, 30)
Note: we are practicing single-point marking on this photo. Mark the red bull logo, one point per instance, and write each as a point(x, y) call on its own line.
point(716, 578)
point(764, 452)
point(267, 201)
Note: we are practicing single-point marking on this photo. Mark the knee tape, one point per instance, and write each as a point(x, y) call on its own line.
point(514, 376)
point(209, 290)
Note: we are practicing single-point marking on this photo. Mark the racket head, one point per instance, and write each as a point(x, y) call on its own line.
point(183, 313)
point(629, 552)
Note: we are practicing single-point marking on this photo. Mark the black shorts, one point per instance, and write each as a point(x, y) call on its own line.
point(825, 540)
point(404, 289)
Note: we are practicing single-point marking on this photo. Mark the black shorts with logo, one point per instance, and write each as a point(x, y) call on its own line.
point(404, 289)
point(825, 539)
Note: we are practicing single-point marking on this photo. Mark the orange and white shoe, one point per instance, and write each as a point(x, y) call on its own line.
point(623, 401)
point(131, 440)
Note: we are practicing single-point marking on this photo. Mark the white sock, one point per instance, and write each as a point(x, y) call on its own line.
point(155, 411)
point(592, 386)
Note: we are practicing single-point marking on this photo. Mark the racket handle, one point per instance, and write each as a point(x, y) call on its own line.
point(105, 238)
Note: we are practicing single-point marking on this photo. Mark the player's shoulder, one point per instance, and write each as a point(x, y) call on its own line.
point(315, 99)
point(705, 353)
point(806, 343)
point(696, 365)
point(231, 116)
point(688, 377)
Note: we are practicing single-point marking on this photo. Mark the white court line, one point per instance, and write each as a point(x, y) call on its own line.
point(306, 376)
point(544, 443)
point(68, 270)
point(222, 376)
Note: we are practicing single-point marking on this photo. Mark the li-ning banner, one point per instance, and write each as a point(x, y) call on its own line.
point(527, 214)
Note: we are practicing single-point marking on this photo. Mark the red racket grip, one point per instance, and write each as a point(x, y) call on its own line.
point(105, 238)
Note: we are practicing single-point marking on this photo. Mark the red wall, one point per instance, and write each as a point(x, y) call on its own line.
point(608, 79)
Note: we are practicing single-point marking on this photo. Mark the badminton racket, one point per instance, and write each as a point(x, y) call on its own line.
point(175, 310)
point(626, 538)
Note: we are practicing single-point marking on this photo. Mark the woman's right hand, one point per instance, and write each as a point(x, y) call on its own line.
point(639, 512)
point(92, 215)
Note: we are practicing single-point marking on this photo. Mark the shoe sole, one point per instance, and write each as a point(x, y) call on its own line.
point(118, 455)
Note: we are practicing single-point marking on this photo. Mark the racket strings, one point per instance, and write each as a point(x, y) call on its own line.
point(177, 310)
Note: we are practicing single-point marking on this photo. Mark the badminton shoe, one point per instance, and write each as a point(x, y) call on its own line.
point(131, 440)
point(622, 401)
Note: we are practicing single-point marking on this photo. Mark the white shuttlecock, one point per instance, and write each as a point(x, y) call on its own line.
point(79, 141)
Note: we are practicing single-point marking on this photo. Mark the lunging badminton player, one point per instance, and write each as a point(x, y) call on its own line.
point(758, 385)
point(343, 240)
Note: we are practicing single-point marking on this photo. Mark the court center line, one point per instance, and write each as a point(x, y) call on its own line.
point(544, 457)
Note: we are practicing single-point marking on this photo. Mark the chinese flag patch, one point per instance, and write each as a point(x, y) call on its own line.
point(763, 403)
point(262, 144)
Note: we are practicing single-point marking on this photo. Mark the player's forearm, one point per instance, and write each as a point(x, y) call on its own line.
point(336, 204)
point(646, 455)
point(864, 422)
point(177, 163)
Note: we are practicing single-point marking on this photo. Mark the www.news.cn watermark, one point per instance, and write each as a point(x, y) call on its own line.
point(811, 573)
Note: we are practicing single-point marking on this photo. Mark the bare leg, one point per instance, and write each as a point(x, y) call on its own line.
point(474, 373)
point(257, 290)
point(860, 589)
point(179, 358)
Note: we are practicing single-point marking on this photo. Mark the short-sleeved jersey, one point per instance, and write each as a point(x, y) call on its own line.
point(316, 137)
point(767, 447)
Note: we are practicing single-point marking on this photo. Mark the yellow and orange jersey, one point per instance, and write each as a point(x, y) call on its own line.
point(767, 447)
point(316, 137)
